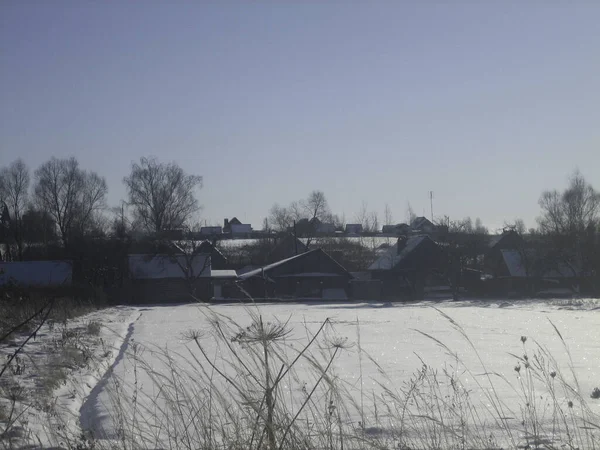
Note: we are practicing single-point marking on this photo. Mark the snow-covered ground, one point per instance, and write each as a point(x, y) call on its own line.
point(392, 334)
point(44, 418)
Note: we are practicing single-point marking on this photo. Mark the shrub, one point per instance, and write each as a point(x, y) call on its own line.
point(93, 328)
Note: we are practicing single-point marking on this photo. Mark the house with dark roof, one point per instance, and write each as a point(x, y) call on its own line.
point(531, 272)
point(398, 229)
point(406, 266)
point(165, 272)
point(354, 228)
point(236, 228)
point(423, 225)
point(310, 275)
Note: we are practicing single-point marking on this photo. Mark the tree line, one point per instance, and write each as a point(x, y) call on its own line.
point(61, 201)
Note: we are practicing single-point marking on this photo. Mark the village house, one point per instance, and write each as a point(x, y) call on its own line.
point(237, 229)
point(310, 275)
point(354, 228)
point(396, 230)
point(164, 273)
point(211, 231)
point(404, 269)
point(423, 225)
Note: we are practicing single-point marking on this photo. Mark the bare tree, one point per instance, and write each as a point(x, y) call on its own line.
point(571, 219)
point(479, 227)
point(162, 195)
point(518, 226)
point(280, 218)
point(410, 214)
point(14, 189)
point(71, 196)
point(316, 207)
point(362, 216)
point(189, 256)
point(388, 218)
point(571, 212)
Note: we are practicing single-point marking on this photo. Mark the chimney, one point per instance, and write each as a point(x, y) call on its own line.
point(225, 223)
point(401, 243)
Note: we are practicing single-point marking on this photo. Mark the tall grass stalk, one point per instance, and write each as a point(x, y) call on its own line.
point(259, 385)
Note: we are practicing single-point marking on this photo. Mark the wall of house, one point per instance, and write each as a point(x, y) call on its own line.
point(366, 289)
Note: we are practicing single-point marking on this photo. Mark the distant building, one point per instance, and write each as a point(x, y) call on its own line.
point(325, 228)
point(243, 229)
point(160, 278)
point(211, 231)
point(405, 267)
point(237, 228)
point(313, 274)
point(397, 229)
point(423, 225)
point(354, 228)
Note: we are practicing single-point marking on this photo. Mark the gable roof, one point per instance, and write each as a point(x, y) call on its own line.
point(235, 221)
point(144, 266)
point(391, 258)
point(510, 240)
point(266, 270)
point(518, 267)
point(421, 222)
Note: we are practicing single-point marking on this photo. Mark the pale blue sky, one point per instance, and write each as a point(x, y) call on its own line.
point(485, 103)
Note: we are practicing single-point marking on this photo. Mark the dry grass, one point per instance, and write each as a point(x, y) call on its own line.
point(247, 386)
point(249, 394)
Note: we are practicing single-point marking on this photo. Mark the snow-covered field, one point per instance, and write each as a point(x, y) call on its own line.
point(392, 334)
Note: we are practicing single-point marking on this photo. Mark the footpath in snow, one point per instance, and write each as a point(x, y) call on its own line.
point(57, 371)
point(389, 333)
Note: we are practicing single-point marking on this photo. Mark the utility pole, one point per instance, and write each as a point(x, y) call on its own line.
point(431, 203)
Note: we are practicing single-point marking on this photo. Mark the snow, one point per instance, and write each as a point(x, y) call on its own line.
point(36, 273)
point(50, 426)
point(367, 241)
point(164, 266)
point(389, 333)
point(391, 257)
point(223, 273)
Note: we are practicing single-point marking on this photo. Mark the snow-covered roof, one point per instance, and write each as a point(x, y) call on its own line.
point(310, 274)
point(269, 267)
point(260, 270)
point(143, 266)
point(391, 257)
point(223, 274)
point(421, 222)
point(517, 266)
point(514, 263)
point(36, 273)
